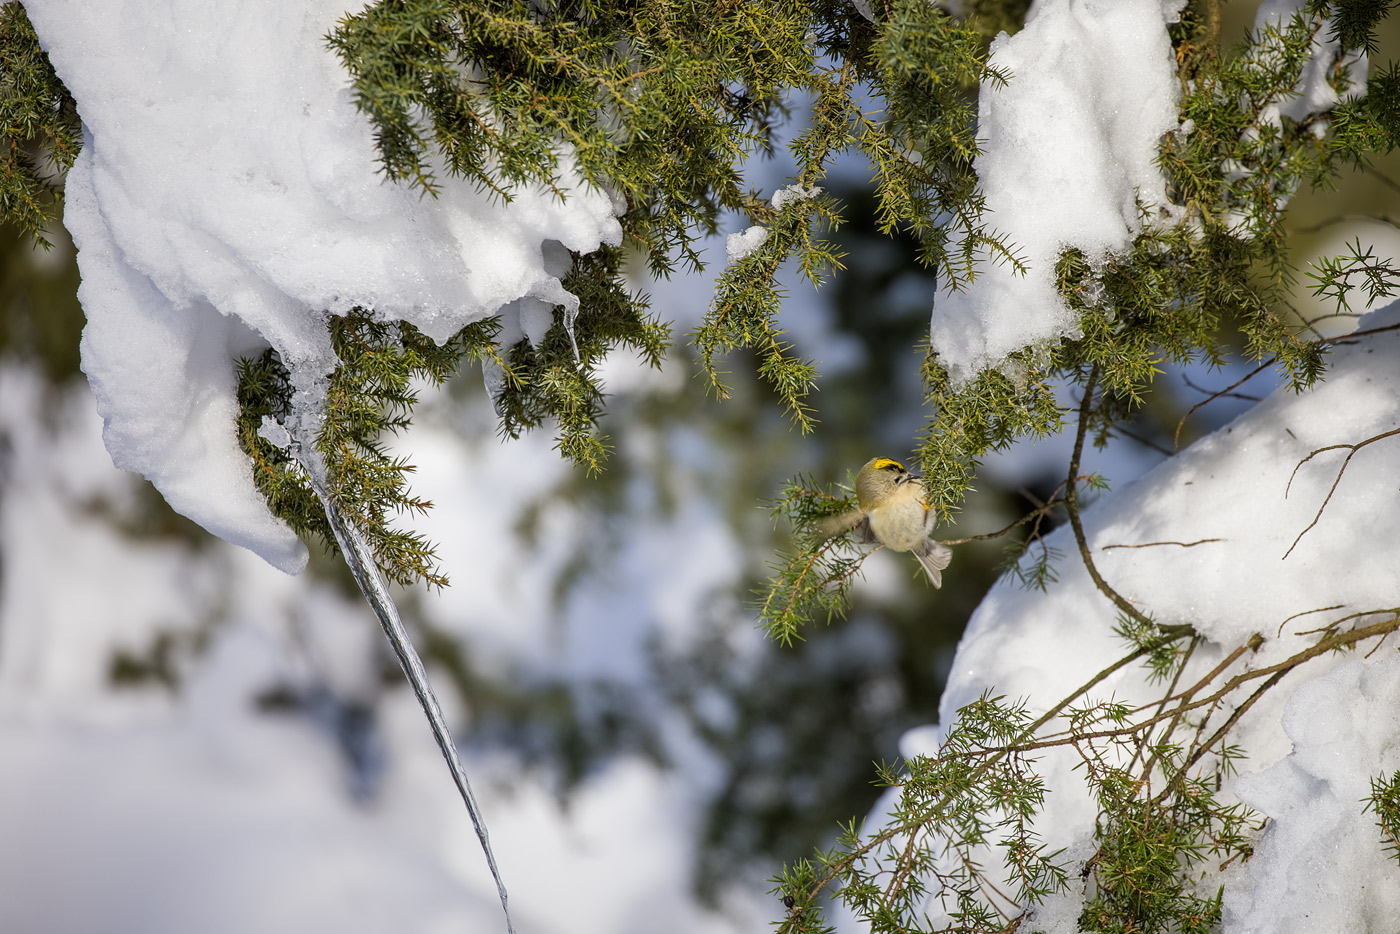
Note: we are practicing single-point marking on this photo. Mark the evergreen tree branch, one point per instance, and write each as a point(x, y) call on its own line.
point(40, 133)
point(1187, 702)
point(991, 756)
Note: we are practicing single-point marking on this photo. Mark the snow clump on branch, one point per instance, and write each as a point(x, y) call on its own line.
point(227, 199)
point(1069, 148)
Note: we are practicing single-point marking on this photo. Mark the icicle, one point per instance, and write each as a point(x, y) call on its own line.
point(372, 584)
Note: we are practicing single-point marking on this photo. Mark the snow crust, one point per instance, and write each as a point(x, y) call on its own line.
point(1319, 865)
point(228, 198)
point(1312, 742)
point(1068, 150)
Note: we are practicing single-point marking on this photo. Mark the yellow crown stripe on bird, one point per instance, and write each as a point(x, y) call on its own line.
point(883, 462)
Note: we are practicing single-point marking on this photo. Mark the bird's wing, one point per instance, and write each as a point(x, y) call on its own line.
point(831, 526)
point(934, 556)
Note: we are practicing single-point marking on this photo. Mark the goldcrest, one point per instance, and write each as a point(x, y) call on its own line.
point(892, 512)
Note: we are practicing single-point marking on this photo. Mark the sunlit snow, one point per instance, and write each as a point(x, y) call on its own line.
point(1068, 150)
point(227, 198)
point(1223, 516)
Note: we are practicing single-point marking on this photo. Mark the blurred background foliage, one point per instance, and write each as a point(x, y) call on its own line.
point(796, 729)
point(801, 726)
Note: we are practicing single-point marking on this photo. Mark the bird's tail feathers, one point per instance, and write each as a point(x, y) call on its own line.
point(934, 557)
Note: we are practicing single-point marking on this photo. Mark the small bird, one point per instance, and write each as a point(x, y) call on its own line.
point(892, 512)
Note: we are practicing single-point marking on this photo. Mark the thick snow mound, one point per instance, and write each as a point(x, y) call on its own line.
point(1319, 865)
point(226, 199)
point(1208, 536)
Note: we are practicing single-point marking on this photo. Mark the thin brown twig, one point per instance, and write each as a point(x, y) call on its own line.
point(1385, 179)
point(1072, 506)
point(1311, 323)
point(1154, 544)
point(1036, 513)
point(1202, 748)
point(1336, 219)
point(1353, 449)
point(1205, 722)
point(1169, 634)
point(1036, 500)
point(904, 868)
point(1034, 534)
point(1176, 435)
point(1321, 609)
point(1376, 648)
point(1233, 395)
point(984, 884)
point(1171, 728)
point(1145, 442)
point(1249, 645)
point(1340, 338)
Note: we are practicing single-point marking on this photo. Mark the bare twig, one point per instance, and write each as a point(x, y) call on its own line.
point(1381, 176)
point(1154, 544)
point(1225, 392)
point(1166, 733)
point(1339, 339)
point(1376, 648)
point(1176, 436)
point(1352, 448)
point(1343, 338)
point(1321, 609)
point(1040, 510)
point(1250, 645)
point(1145, 442)
point(1336, 219)
point(1072, 505)
point(1202, 748)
